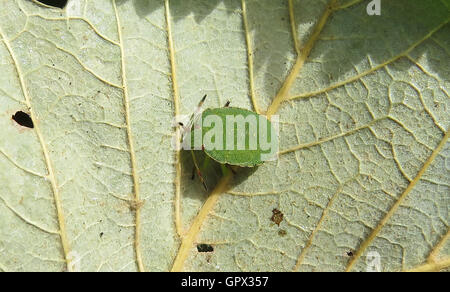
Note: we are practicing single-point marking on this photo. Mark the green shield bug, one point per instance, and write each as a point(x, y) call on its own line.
point(231, 136)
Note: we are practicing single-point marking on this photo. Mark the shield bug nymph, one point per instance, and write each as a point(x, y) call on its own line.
point(231, 136)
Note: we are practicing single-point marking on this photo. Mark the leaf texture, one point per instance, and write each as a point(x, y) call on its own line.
point(97, 186)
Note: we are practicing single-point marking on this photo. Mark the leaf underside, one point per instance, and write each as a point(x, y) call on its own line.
point(96, 185)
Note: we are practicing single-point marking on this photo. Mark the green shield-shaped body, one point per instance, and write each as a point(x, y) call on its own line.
point(235, 136)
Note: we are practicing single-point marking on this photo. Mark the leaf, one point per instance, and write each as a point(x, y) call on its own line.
point(362, 179)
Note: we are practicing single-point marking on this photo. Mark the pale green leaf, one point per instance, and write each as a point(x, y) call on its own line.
point(97, 186)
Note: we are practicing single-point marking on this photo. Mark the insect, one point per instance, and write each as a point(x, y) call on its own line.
point(231, 136)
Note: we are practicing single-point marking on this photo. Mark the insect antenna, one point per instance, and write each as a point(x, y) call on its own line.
point(195, 113)
point(200, 104)
point(202, 101)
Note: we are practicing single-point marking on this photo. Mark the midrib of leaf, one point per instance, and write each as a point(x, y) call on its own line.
point(189, 238)
point(51, 175)
point(176, 102)
point(135, 175)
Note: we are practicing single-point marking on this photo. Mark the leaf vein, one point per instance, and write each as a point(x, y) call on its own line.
point(51, 173)
point(176, 101)
point(399, 201)
point(135, 174)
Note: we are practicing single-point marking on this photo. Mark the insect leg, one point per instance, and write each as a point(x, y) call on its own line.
point(198, 170)
point(206, 162)
point(230, 168)
point(193, 173)
point(183, 129)
point(224, 169)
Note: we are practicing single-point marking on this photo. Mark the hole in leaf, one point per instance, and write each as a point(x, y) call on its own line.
point(205, 248)
point(54, 3)
point(23, 119)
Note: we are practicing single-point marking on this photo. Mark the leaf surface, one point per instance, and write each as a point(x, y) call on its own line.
point(363, 171)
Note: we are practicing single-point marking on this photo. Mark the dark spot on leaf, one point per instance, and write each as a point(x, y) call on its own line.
point(135, 205)
point(23, 119)
point(350, 253)
point(101, 234)
point(54, 3)
point(204, 248)
point(277, 216)
point(208, 258)
point(282, 232)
